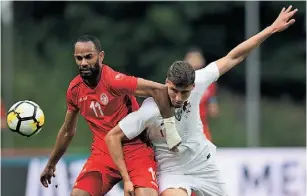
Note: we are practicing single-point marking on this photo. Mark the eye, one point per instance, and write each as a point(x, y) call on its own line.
point(79, 58)
point(174, 90)
point(89, 56)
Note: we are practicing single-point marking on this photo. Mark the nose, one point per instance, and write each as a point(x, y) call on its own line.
point(178, 97)
point(84, 63)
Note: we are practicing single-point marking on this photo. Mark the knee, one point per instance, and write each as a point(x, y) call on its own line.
point(145, 192)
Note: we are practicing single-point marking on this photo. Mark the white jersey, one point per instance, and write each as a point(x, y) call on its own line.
point(194, 148)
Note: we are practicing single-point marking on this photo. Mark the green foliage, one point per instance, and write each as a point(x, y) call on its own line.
point(143, 39)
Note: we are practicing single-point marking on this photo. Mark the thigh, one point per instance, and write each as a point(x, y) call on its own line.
point(209, 181)
point(175, 191)
point(142, 171)
point(90, 184)
point(79, 192)
point(146, 192)
point(97, 176)
point(174, 183)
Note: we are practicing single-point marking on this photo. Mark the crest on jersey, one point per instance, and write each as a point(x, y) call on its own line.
point(178, 113)
point(186, 108)
point(104, 99)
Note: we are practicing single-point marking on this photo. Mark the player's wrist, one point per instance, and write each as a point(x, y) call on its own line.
point(271, 30)
point(51, 164)
point(173, 138)
point(126, 178)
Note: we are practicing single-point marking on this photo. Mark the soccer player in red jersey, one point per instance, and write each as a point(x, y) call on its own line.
point(208, 104)
point(103, 97)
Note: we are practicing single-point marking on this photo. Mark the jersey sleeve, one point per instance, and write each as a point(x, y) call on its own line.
point(71, 100)
point(135, 123)
point(121, 84)
point(204, 77)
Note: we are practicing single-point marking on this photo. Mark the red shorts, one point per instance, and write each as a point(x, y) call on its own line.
point(141, 168)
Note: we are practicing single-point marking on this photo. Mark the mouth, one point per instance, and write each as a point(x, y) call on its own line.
point(177, 104)
point(85, 71)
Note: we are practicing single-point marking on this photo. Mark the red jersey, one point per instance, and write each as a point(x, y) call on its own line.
point(205, 100)
point(105, 105)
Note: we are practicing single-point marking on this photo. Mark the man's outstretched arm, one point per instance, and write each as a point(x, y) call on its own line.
point(147, 88)
point(238, 54)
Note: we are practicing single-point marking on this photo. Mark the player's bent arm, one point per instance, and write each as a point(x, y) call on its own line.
point(114, 140)
point(64, 137)
point(147, 88)
point(160, 94)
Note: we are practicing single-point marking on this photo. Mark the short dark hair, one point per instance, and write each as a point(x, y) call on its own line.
point(90, 38)
point(181, 74)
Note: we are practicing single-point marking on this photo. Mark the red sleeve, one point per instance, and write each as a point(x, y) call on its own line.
point(3, 111)
point(71, 100)
point(212, 90)
point(121, 84)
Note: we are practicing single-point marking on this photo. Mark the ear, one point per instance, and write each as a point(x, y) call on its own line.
point(101, 56)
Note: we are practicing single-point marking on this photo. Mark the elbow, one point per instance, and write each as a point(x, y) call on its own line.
point(111, 138)
point(68, 132)
point(235, 58)
point(115, 135)
point(108, 139)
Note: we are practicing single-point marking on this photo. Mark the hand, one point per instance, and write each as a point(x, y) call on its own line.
point(128, 188)
point(46, 175)
point(284, 20)
point(164, 103)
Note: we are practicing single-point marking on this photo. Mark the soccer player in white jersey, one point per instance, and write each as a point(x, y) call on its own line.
point(192, 165)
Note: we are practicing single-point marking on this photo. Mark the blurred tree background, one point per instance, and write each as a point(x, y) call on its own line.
point(143, 39)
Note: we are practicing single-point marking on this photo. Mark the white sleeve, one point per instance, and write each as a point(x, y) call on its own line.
point(204, 77)
point(135, 123)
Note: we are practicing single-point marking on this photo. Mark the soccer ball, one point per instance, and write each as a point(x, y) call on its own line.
point(25, 118)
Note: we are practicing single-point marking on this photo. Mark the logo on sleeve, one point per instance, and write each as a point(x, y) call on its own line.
point(119, 76)
point(104, 99)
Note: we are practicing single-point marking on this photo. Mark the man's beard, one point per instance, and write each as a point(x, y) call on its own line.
point(90, 73)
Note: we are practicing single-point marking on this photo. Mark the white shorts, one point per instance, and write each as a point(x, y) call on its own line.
point(204, 182)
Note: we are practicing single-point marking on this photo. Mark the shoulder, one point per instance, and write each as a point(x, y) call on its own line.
point(149, 105)
point(110, 75)
point(75, 84)
point(149, 102)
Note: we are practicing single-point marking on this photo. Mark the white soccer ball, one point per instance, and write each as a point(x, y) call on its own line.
point(25, 118)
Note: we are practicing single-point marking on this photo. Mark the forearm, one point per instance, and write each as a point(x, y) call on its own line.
point(243, 49)
point(158, 92)
point(62, 142)
point(117, 155)
point(238, 54)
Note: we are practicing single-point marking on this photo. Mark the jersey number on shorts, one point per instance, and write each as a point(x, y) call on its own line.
point(96, 107)
point(153, 173)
